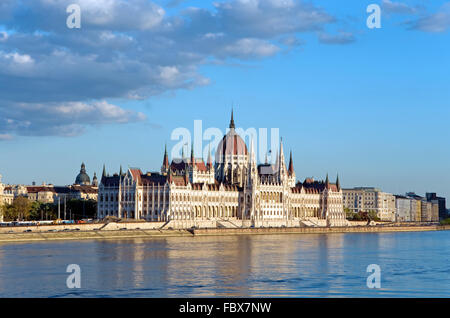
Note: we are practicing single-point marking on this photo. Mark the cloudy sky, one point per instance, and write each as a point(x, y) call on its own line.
point(369, 104)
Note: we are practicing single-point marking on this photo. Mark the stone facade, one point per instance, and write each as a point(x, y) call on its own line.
point(234, 188)
point(366, 199)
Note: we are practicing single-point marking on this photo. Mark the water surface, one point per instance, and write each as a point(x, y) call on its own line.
point(414, 264)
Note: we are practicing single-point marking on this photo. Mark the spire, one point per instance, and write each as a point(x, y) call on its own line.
point(104, 171)
point(291, 165)
point(95, 180)
point(327, 181)
point(232, 126)
point(121, 171)
point(192, 154)
point(182, 152)
point(165, 164)
point(338, 184)
point(281, 162)
point(252, 153)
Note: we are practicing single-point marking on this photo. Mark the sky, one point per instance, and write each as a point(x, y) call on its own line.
point(372, 105)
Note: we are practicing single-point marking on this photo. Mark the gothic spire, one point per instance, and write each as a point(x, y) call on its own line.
point(338, 184)
point(104, 171)
point(291, 165)
point(327, 181)
point(121, 171)
point(232, 126)
point(166, 158)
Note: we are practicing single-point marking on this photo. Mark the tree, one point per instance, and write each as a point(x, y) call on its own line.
point(35, 210)
point(373, 215)
point(21, 208)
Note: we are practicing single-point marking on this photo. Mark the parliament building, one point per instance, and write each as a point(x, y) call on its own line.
point(234, 188)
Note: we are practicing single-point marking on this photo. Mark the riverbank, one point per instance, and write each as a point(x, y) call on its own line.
point(146, 234)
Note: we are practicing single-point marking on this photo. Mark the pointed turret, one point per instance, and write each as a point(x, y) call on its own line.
point(95, 180)
point(232, 126)
point(104, 171)
point(165, 165)
point(120, 171)
point(327, 181)
point(338, 184)
point(291, 165)
point(281, 160)
point(182, 153)
point(252, 153)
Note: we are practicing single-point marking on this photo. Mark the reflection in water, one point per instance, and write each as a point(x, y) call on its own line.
point(316, 265)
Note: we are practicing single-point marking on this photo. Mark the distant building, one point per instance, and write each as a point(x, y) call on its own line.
point(367, 199)
point(426, 211)
point(6, 197)
point(442, 210)
point(83, 178)
point(48, 193)
point(404, 209)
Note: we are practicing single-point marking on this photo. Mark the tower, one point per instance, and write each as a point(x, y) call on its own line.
point(165, 164)
point(291, 172)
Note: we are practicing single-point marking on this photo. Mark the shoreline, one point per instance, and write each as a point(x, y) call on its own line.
point(149, 234)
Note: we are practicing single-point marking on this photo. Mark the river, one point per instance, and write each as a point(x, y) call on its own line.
point(413, 264)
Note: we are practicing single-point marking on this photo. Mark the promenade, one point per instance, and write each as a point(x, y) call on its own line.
point(130, 231)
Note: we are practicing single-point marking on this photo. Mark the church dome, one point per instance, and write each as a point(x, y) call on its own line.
point(83, 178)
point(231, 144)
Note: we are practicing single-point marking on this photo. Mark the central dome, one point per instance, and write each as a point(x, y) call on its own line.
point(231, 144)
point(82, 177)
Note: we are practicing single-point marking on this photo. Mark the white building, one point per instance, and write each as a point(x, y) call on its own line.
point(367, 199)
point(235, 188)
point(6, 197)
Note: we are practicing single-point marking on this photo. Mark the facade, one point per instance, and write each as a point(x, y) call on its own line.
point(404, 211)
point(367, 199)
point(6, 197)
point(414, 208)
point(234, 188)
point(442, 209)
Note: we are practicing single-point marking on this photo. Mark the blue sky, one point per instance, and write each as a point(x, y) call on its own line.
point(369, 104)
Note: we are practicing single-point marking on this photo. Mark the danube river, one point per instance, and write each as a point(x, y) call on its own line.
point(413, 264)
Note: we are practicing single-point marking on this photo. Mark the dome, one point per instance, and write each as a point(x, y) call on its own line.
point(83, 178)
point(231, 144)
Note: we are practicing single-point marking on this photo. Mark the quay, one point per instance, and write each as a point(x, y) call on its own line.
point(150, 230)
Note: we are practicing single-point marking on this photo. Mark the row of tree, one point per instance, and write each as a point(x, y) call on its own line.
point(23, 209)
point(361, 216)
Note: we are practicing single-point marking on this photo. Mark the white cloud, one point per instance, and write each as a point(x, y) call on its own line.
point(437, 22)
point(340, 38)
point(65, 119)
point(128, 49)
point(17, 58)
point(6, 137)
point(397, 7)
point(251, 48)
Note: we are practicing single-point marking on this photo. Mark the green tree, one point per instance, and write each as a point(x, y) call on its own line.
point(21, 208)
point(35, 211)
